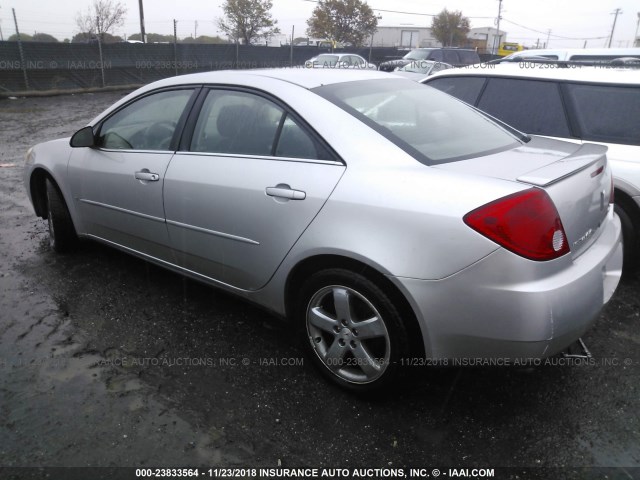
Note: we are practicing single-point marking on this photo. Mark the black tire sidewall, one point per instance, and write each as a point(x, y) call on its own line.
point(62, 234)
point(630, 239)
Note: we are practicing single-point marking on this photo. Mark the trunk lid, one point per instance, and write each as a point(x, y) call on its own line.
point(576, 177)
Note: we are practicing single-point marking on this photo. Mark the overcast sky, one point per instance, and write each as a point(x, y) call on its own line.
point(571, 21)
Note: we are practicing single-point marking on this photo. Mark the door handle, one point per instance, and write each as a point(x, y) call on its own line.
point(285, 191)
point(147, 176)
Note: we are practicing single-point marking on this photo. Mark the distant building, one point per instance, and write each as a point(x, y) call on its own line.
point(404, 36)
point(486, 39)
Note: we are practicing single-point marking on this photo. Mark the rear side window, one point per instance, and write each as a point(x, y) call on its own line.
point(242, 123)
point(466, 89)
point(606, 113)
point(236, 123)
point(530, 106)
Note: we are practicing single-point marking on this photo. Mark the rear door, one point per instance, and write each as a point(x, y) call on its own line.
point(244, 187)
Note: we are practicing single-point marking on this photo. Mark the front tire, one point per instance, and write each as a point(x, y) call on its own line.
point(351, 330)
point(62, 234)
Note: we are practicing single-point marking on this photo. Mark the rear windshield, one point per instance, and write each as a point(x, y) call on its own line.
point(428, 124)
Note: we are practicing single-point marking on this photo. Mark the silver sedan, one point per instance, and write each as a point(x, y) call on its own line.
point(388, 222)
point(339, 60)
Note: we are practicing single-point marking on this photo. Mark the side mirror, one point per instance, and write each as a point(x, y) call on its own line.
point(83, 138)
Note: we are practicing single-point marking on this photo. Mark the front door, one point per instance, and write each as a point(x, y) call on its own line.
point(117, 187)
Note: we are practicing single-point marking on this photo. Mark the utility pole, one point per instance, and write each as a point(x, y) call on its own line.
point(548, 36)
point(195, 30)
point(143, 36)
point(636, 43)
point(293, 32)
point(2, 38)
point(616, 13)
point(24, 65)
point(496, 39)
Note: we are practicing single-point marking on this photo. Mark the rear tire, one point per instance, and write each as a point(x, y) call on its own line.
point(351, 330)
point(630, 239)
point(62, 234)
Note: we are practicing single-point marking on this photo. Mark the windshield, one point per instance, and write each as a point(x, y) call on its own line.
point(423, 66)
point(428, 124)
point(417, 55)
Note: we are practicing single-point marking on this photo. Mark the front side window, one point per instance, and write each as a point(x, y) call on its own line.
point(431, 126)
point(326, 60)
point(146, 124)
point(531, 106)
point(437, 56)
point(451, 57)
point(606, 113)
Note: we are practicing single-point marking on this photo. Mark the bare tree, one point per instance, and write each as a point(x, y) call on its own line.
point(248, 20)
point(102, 17)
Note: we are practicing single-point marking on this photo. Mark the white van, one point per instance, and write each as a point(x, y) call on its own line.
point(577, 54)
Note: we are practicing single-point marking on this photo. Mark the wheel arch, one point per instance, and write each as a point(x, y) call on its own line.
point(626, 202)
point(305, 268)
point(38, 190)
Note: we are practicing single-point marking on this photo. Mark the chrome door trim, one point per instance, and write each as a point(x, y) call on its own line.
point(121, 210)
point(212, 232)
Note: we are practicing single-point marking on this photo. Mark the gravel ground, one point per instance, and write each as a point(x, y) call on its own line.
point(106, 360)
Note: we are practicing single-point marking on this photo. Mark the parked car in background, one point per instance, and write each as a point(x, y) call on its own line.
point(438, 234)
point(453, 56)
point(507, 48)
point(418, 70)
point(575, 54)
point(578, 104)
point(339, 60)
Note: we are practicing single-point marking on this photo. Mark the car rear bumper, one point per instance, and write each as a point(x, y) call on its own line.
point(505, 306)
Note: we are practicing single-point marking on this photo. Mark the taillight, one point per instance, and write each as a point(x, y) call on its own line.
point(526, 223)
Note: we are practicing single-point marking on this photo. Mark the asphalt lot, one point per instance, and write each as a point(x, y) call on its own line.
point(106, 360)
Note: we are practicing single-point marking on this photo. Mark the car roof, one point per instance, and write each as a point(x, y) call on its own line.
point(550, 71)
point(301, 76)
point(339, 54)
point(567, 53)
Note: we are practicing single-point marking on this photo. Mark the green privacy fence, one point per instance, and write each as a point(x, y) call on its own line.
point(39, 66)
